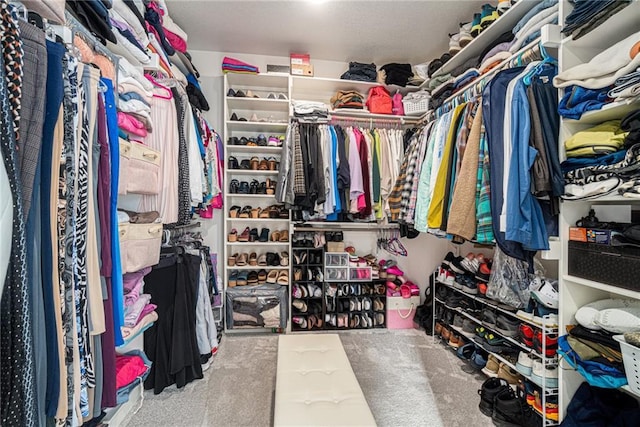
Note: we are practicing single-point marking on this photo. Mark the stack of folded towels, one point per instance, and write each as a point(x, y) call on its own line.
point(347, 99)
point(231, 65)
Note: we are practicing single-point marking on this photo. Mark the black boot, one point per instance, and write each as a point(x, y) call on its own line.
point(511, 409)
point(490, 389)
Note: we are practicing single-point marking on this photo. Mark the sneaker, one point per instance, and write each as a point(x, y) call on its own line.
point(455, 341)
point(442, 293)
point(544, 316)
point(476, 28)
point(542, 375)
point(507, 327)
point(457, 321)
point(484, 272)
point(492, 366)
point(470, 263)
point(465, 34)
point(479, 360)
point(488, 15)
point(619, 320)
point(547, 294)
point(509, 374)
point(524, 364)
point(453, 262)
point(449, 277)
point(465, 352)
point(457, 283)
point(550, 341)
point(551, 405)
point(482, 288)
point(454, 43)
point(526, 333)
point(503, 6)
point(469, 286)
point(587, 314)
point(468, 327)
point(488, 392)
point(488, 318)
point(511, 409)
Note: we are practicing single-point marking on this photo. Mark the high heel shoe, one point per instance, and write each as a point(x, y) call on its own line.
point(273, 163)
point(262, 188)
point(233, 212)
point(234, 185)
point(232, 163)
point(253, 188)
point(271, 187)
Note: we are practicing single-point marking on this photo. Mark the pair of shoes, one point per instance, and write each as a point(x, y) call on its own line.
point(241, 94)
point(275, 141)
point(482, 20)
point(280, 236)
point(505, 406)
point(271, 259)
point(280, 96)
point(280, 277)
point(249, 235)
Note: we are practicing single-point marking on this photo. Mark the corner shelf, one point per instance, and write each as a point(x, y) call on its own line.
point(262, 104)
point(601, 286)
point(265, 127)
point(611, 111)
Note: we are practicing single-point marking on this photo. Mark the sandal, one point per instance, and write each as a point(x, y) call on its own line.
point(253, 259)
point(232, 163)
point(265, 213)
point(262, 260)
point(262, 188)
point(231, 260)
point(264, 165)
point(262, 276)
point(273, 163)
point(272, 277)
point(252, 278)
point(253, 188)
point(271, 187)
point(244, 237)
point(251, 142)
point(233, 212)
point(245, 212)
point(284, 236)
point(241, 260)
point(234, 186)
point(283, 277)
point(254, 163)
point(233, 236)
point(275, 236)
point(233, 279)
point(255, 213)
point(297, 274)
point(284, 259)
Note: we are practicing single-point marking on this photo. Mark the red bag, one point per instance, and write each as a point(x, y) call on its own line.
point(379, 101)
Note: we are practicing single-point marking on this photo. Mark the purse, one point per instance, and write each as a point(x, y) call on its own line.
point(144, 170)
point(123, 173)
point(397, 106)
point(139, 245)
point(379, 101)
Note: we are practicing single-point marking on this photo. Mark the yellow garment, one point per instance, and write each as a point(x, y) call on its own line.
point(607, 134)
point(436, 208)
point(378, 208)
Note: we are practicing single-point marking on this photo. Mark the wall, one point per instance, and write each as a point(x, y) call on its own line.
point(425, 252)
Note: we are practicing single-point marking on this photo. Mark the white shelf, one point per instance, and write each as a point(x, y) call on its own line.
point(612, 111)
point(258, 219)
point(274, 82)
point(257, 267)
point(265, 127)
point(318, 85)
point(252, 196)
point(601, 286)
point(613, 197)
point(258, 243)
point(616, 28)
point(250, 172)
point(364, 114)
point(505, 23)
point(259, 104)
point(252, 149)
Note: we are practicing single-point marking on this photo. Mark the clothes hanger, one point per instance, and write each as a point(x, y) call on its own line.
point(155, 83)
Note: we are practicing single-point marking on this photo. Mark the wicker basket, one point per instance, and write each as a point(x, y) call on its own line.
point(631, 359)
point(412, 107)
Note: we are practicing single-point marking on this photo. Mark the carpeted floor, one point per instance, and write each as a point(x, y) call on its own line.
point(407, 379)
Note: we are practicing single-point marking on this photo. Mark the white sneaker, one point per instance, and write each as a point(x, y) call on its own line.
point(619, 320)
point(524, 364)
point(465, 34)
point(548, 321)
point(503, 6)
point(544, 375)
point(454, 43)
point(547, 294)
point(586, 314)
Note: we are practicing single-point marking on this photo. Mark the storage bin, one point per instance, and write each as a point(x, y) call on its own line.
point(139, 245)
point(144, 170)
point(335, 246)
point(336, 259)
point(360, 274)
point(262, 306)
point(415, 108)
point(631, 360)
point(400, 312)
point(336, 274)
point(613, 265)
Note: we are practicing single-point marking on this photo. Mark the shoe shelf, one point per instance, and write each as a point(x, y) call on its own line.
point(263, 127)
point(257, 220)
point(254, 196)
point(253, 149)
point(504, 23)
point(258, 243)
point(250, 172)
point(496, 307)
point(261, 104)
point(258, 267)
point(628, 293)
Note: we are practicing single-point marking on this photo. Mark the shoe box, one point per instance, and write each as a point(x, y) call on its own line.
point(613, 265)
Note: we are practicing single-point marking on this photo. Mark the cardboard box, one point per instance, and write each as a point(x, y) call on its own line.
point(302, 70)
point(299, 59)
point(590, 235)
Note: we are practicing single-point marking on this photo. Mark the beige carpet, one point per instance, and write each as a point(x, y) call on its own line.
point(408, 380)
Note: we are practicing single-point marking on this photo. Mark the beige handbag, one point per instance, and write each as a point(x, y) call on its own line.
point(144, 170)
point(139, 245)
point(125, 159)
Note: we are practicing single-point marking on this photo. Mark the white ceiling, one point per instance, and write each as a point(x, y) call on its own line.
point(365, 31)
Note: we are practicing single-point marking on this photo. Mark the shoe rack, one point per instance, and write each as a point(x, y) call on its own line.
point(254, 125)
point(307, 288)
point(449, 300)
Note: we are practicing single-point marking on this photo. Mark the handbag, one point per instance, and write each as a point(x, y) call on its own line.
point(397, 106)
point(379, 101)
point(144, 170)
point(125, 158)
point(139, 245)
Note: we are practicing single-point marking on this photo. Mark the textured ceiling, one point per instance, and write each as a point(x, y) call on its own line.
point(378, 31)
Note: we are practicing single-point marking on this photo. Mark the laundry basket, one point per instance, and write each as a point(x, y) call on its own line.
point(631, 359)
point(415, 107)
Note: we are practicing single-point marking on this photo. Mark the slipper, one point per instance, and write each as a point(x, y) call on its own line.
point(272, 277)
point(283, 278)
point(233, 279)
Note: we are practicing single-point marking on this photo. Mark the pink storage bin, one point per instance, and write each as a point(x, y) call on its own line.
point(400, 312)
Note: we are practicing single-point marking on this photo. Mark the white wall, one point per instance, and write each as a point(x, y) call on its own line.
point(425, 252)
